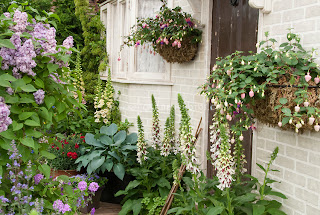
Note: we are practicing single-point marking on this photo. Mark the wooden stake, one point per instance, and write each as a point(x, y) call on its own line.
point(182, 170)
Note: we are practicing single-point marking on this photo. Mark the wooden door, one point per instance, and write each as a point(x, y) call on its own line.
point(234, 27)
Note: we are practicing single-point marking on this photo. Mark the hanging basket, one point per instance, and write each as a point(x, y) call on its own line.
point(264, 109)
point(185, 53)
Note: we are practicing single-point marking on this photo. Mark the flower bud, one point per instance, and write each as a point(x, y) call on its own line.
point(251, 93)
point(280, 124)
point(307, 77)
point(311, 120)
point(297, 108)
point(306, 104)
point(241, 138)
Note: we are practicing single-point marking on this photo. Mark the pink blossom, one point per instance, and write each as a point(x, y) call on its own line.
point(307, 77)
point(317, 80)
point(243, 95)
point(251, 93)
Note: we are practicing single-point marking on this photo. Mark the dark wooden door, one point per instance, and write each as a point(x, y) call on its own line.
point(234, 27)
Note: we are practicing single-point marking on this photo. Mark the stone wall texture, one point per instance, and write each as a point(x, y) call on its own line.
point(299, 154)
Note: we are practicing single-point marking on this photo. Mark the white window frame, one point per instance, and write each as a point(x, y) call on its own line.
point(128, 73)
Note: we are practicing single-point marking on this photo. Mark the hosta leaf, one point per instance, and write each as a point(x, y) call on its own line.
point(119, 170)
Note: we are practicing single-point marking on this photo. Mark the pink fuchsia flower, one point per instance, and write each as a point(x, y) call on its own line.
point(189, 22)
point(243, 95)
point(311, 120)
point(307, 77)
point(317, 80)
point(166, 41)
point(306, 104)
point(137, 43)
point(251, 93)
point(93, 187)
point(179, 44)
point(82, 185)
point(297, 108)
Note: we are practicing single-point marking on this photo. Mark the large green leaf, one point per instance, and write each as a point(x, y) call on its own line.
point(275, 211)
point(25, 115)
point(28, 141)
point(114, 154)
point(16, 126)
point(258, 209)
point(136, 208)
point(50, 101)
point(248, 197)
point(162, 182)
point(111, 130)
point(119, 138)
point(4, 83)
point(96, 163)
point(52, 67)
point(44, 113)
point(126, 208)
point(108, 165)
point(31, 123)
point(28, 88)
point(215, 210)
point(132, 138)
point(274, 193)
point(129, 147)
point(6, 43)
point(8, 134)
point(89, 138)
point(47, 154)
point(132, 185)
point(119, 170)
point(45, 169)
point(106, 140)
point(94, 154)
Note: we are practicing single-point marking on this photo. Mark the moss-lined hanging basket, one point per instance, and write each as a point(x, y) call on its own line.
point(185, 53)
point(266, 111)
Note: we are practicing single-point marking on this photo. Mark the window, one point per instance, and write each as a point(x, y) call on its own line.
point(136, 64)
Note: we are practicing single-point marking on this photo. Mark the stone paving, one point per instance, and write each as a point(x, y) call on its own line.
point(108, 209)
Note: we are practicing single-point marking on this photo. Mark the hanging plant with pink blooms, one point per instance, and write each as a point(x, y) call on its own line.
point(171, 33)
point(277, 86)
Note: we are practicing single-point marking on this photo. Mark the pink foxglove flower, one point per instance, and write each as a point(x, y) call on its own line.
point(307, 77)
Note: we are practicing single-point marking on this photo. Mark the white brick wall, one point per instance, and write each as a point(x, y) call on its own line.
point(299, 154)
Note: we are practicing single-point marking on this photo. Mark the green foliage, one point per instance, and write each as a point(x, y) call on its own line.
point(39, 5)
point(94, 50)
point(108, 150)
point(153, 180)
point(288, 73)
point(241, 198)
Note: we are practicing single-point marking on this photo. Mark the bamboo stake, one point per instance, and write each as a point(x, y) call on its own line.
point(182, 170)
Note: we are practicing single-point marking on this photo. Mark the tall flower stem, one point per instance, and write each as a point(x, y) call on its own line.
point(229, 202)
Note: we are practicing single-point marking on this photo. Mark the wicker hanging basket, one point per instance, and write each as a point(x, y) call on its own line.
point(185, 53)
point(264, 109)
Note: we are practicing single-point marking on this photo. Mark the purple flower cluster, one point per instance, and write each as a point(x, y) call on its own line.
point(93, 187)
point(21, 58)
point(60, 207)
point(5, 120)
point(21, 18)
point(82, 185)
point(39, 96)
point(68, 43)
point(37, 178)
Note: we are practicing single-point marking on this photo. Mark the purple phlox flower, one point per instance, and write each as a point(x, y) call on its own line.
point(3, 199)
point(93, 187)
point(57, 205)
point(39, 96)
point(66, 208)
point(93, 210)
point(37, 178)
point(82, 185)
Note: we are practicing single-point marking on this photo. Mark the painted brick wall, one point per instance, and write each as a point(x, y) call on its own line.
point(299, 154)
point(135, 99)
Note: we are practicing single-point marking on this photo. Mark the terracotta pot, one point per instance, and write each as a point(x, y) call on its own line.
point(58, 172)
point(95, 203)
